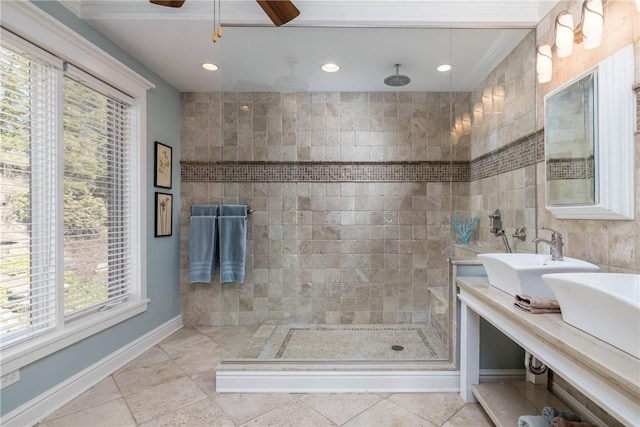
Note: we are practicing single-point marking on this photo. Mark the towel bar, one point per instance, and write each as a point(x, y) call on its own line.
point(249, 210)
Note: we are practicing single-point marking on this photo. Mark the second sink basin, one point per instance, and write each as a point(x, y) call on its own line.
point(522, 273)
point(605, 305)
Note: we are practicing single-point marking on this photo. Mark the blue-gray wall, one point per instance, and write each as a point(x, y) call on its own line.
point(163, 272)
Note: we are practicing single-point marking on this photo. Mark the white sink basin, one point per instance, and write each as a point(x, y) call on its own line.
point(605, 305)
point(521, 273)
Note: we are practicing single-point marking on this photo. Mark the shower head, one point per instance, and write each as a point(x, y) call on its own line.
point(397, 79)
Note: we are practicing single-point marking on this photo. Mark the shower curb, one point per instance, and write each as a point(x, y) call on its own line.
point(262, 378)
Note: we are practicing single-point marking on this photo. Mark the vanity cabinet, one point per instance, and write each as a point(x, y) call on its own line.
point(604, 374)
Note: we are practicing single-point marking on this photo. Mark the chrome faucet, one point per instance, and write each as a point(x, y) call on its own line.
point(555, 244)
point(521, 233)
point(496, 228)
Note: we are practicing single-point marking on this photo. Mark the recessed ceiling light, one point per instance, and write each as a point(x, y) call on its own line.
point(209, 66)
point(330, 68)
point(245, 108)
point(444, 67)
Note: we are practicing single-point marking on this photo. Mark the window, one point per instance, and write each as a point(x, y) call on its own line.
point(28, 88)
point(72, 158)
point(97, 187)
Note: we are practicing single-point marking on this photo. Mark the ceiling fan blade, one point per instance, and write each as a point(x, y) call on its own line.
point(279, 11)
point(169, 3)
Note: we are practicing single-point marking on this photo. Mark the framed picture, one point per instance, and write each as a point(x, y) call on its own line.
point(162, 171)
point(164, 214)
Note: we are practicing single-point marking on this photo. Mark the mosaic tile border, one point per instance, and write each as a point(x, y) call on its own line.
point(523, 152)
point(518, 154)
point(570, 168)
point(252, 171)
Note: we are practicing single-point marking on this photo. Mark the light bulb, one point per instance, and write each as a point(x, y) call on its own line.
point(498, 98)
point(330, 68)
point(592, 23)
point(466, 123)
point(487, 100)
point(477, 113)
point(458, 125)
point(564, 34)
point(544, 63)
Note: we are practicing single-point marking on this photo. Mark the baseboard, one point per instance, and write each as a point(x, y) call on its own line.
point(350, 381)
point(47, 403)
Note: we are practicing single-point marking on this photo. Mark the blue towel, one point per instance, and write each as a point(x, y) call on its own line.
point(233, 245)
point(550, 413)
point(202, 248)
point(533, 421)
point(233, 210)
point(204, 210)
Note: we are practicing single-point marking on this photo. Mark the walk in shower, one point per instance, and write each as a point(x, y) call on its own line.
point(353, 188)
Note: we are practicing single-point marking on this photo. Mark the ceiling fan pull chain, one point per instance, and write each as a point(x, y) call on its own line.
point(219, 30)
point(214, 35)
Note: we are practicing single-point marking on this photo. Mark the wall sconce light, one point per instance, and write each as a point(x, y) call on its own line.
point(466, 123)
point(592, 23)
point(544, 64)
point(477, 112)
point(487, 101)
point(458, 126)
point(564, 34)
point(588, 31)
point(498, 98)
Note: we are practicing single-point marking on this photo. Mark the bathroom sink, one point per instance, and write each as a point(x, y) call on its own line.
point(605, 305)
point(521, 273)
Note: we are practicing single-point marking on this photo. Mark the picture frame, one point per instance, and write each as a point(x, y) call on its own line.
point(164, 215)
point(163, 155)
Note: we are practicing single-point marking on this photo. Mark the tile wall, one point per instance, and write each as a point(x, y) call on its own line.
point(613, 245)
point(352, 200)
point(503, 150)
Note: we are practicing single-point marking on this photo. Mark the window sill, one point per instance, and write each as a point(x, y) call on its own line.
point(26, 353)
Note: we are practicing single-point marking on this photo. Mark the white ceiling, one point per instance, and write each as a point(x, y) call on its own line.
point(366, 38)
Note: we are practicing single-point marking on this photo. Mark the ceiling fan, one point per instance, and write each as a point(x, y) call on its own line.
point(279, 11)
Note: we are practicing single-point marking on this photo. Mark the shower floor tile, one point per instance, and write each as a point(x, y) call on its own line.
point(353, 342)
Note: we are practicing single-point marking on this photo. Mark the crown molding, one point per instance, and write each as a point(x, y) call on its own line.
point(493, 56)
point(348, 13)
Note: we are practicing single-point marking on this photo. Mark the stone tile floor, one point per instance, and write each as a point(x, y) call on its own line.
point(173, 384)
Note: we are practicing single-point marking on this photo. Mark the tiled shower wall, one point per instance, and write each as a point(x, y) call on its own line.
point(502, 150)
point(362, 251)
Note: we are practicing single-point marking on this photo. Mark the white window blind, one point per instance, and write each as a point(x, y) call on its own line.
point(66, 192)
point(28, 125)
point(97, 194)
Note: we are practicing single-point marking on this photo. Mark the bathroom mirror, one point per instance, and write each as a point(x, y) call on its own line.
point(589, 143)
point(570, 143)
